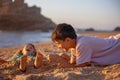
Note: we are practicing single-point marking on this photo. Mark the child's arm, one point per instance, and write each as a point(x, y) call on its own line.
point(84, 64)
point(38, 60)
point(72, 59)
point(62, 61)
point(16, 54)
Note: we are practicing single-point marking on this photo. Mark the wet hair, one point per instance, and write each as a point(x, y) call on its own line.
point(62, 31)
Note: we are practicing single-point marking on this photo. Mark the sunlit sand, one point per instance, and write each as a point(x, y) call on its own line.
point(52, 71)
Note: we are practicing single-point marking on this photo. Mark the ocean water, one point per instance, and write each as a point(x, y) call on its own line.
point(20, 38)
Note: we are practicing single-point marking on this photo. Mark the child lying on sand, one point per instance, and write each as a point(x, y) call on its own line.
point(27, 52)
point(84, 49)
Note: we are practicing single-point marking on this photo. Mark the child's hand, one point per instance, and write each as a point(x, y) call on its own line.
point(65, 56)
point(25, 52)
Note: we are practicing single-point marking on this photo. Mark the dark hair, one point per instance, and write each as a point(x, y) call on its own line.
point(63, 31)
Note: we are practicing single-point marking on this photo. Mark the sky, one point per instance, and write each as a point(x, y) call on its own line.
point(83, 14)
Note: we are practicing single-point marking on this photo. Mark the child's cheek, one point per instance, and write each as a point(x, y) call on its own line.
point(25, 52)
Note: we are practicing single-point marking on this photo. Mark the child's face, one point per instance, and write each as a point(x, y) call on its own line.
point(63, 44)
point(28, 49)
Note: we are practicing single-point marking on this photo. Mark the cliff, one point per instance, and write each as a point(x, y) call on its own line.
point(16, 15)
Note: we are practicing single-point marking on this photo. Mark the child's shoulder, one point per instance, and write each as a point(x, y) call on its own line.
point(82, 39)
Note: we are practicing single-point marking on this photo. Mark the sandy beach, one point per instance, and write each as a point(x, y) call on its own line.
point(51, 71)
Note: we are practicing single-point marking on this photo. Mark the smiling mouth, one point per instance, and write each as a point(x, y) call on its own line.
point(27, 50)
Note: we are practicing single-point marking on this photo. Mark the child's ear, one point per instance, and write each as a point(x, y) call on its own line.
point(67, 39)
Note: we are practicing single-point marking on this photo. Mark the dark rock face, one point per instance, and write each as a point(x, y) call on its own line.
point(117, 28)
point(16, 15)
point(90, 29)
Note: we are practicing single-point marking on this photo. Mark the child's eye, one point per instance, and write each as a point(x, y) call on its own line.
point(30, 47)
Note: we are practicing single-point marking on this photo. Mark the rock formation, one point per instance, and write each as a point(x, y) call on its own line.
point(16, 15)
point(117, 28)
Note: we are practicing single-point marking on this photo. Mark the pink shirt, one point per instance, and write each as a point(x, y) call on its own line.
point(97, 50)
